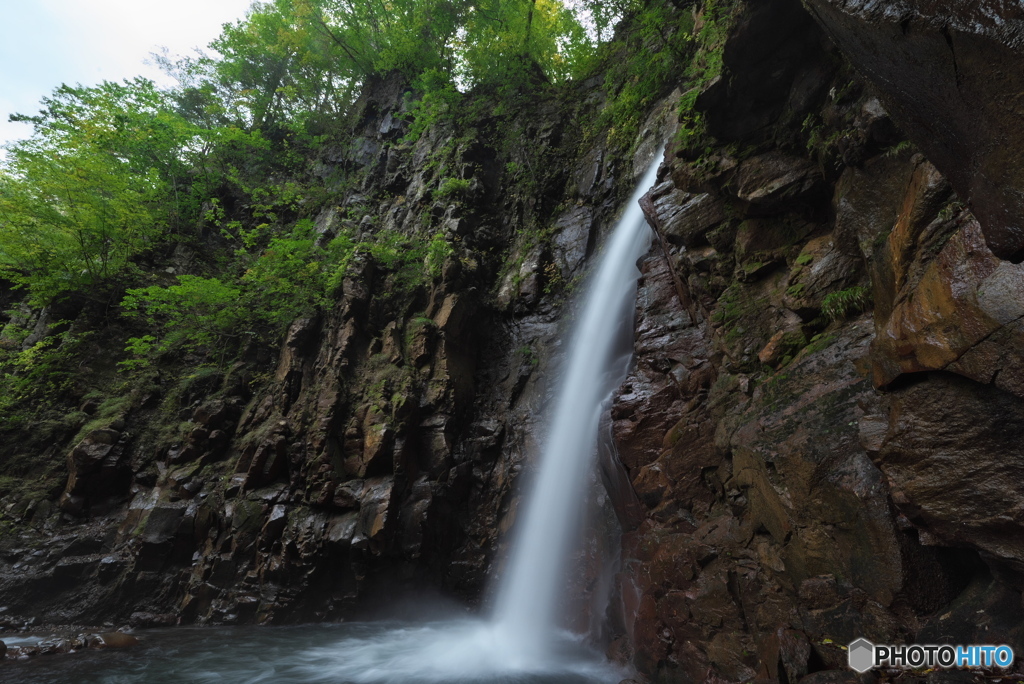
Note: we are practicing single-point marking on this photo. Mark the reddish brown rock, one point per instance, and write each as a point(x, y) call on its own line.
point(965, 283)
point(114, 640)
point(947, 431)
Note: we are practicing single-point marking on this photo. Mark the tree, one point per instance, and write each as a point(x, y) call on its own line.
point(90, 188)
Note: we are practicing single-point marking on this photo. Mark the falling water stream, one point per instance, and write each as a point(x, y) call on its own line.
point(523, 641)
point(528, 596)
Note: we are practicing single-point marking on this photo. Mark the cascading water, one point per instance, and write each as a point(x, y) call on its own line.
point(534, 578)
point(522, 643)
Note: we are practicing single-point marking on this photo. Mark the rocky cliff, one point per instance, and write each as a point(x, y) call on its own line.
point(819, 439)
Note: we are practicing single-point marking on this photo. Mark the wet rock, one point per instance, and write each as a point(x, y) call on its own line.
point(942, 71)
point(104, 436)
point(821, 269)
point(867, 201)
point(783, 345)
point(348, 493)
point(141, 619)
point(683, 217)
point(945, 431)
point(97, 470)
point(572, 240)
point(376, 511)
point(378, 440)
point(264, 462)
point(966, 283)
point(214, 414)
point(275, 525)
point(773, 180)
point(765, 239)
point(794, 653)
point(648, 403)
point(834, 677)
point(524, 285)
point(111, 640)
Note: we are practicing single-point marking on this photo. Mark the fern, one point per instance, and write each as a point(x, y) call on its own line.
point(843, 303)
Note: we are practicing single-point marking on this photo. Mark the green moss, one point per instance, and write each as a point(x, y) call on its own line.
point(733, 307)
point(718, 18)
point(796, 290)
point(819, 342)
point(112, 408)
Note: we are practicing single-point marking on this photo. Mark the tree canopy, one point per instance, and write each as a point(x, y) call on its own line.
point(116, 174)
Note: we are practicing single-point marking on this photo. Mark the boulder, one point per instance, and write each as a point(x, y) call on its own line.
point(97, 470)
point(965, 283)
point(684, 218)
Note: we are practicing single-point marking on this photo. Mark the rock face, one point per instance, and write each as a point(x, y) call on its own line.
point(950, 74)
point(818, 439)
point(829, 475)
point(384, 448)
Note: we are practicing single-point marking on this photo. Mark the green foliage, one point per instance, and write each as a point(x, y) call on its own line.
point(900, 148)
point(821, 143)
point(297, 65)
point(837, 305)
point(951, 209)
point(288, 277)
point(109, 172)
point(707, 64)
point(503, 42)
point(291, 276)
point(197, 312)
point(452, 188)
point(88, 191)
point(109, 410)
point(273, 70)
point(660, 39)
point(529, 355)
point(438, 249)
point(121, 174)
point(410, 261)
point(43, 371)
point(439, 99)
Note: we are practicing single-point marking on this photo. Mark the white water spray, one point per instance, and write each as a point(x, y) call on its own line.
point(529, 594)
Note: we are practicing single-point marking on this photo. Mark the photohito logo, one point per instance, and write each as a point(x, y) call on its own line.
point(864, 655)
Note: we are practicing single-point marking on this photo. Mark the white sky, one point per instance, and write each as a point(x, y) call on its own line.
point(44, 43)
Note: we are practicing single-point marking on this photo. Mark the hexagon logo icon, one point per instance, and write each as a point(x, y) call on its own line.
point(861, 654)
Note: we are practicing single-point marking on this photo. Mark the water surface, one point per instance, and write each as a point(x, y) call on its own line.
point(462, 651)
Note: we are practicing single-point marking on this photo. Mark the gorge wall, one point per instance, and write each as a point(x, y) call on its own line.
point(819, 439)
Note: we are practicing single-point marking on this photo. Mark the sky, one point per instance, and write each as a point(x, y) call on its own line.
point(44, 43)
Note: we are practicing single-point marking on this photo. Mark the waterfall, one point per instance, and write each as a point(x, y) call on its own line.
point(522, 643)
point(534, 578)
